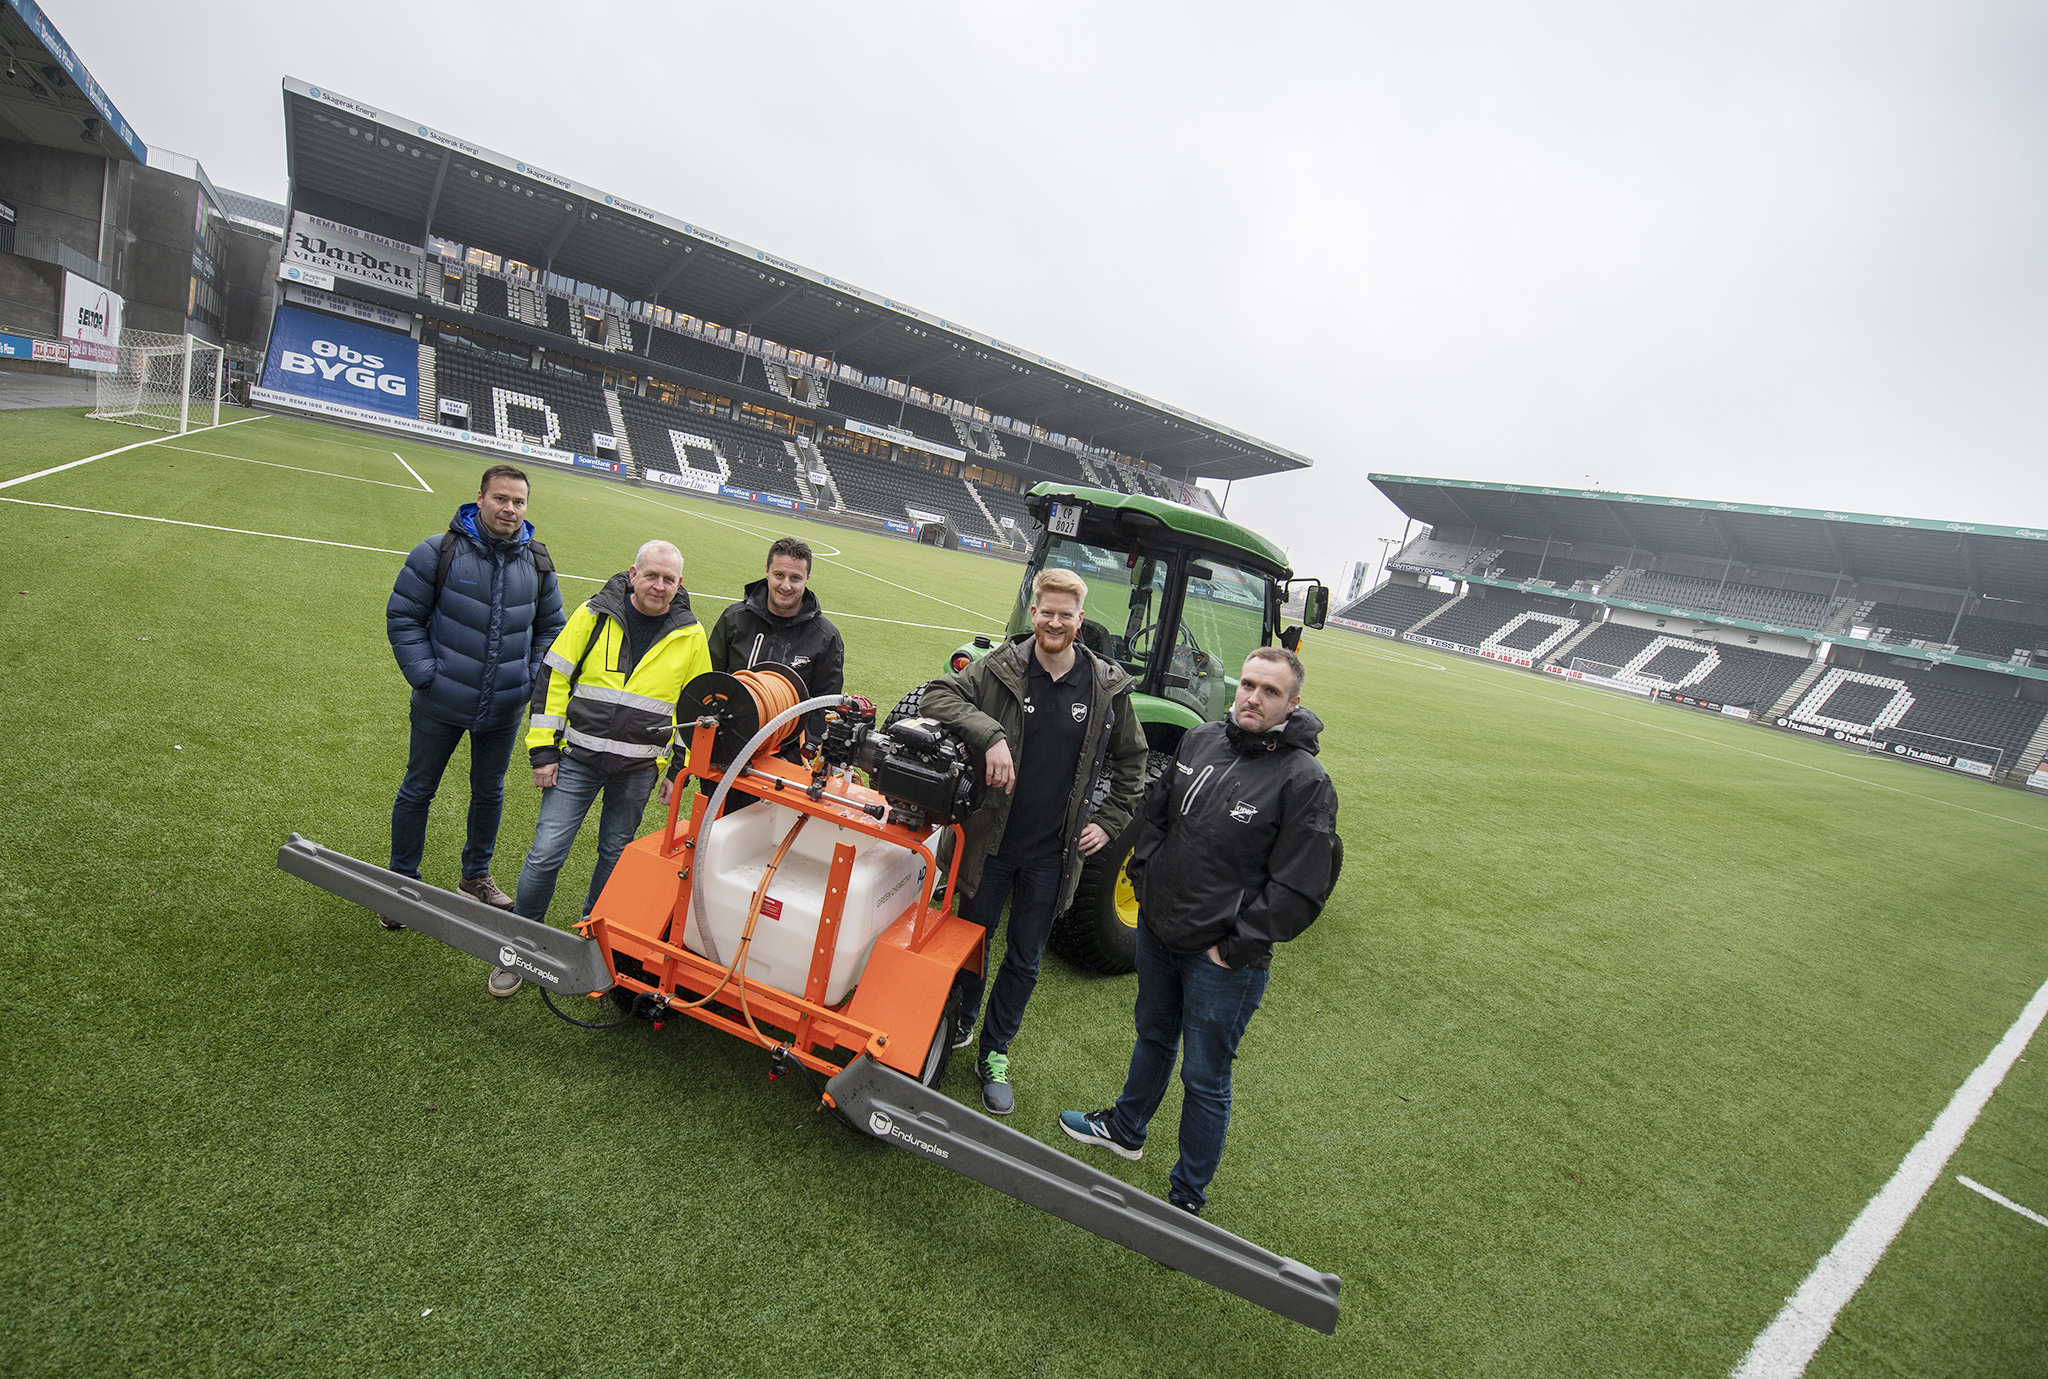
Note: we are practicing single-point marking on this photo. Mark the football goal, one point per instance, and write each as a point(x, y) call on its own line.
point(165, 382)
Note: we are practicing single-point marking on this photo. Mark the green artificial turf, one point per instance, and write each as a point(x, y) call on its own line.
point(1619, 1015)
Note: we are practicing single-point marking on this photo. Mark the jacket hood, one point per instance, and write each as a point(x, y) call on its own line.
point(467, 520)
point(757, 599)
point(611, 601)
point(1301, 729)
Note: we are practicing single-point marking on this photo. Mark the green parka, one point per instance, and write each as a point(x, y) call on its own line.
point(985, 704)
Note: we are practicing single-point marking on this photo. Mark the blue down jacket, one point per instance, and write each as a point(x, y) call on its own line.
point(472, 656)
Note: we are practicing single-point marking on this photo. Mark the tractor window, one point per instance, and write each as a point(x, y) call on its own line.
point(1125, 595)
point(1222, 621)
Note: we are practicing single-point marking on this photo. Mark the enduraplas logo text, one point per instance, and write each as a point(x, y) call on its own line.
point(885, 1127)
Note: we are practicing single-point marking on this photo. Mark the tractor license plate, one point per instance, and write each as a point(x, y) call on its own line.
point(1066, 519)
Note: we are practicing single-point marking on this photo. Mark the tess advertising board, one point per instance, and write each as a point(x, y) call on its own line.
point(334, 360)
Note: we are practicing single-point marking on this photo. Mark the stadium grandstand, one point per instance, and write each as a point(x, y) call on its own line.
point(1921, 639)
point(512, 309)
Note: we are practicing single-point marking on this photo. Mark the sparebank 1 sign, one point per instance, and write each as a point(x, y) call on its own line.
point(349, 253)
point(342, 361)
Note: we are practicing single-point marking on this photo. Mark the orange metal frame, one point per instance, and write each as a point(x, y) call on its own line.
point(894, 1011)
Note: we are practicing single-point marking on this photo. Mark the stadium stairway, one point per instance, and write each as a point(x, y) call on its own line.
point(2033, 754)
point(803, 480)
point(430, 397)
point(1562, 656)
point(1437, 613)
point(974, 494)
point(618, 415)
point(1799, 687)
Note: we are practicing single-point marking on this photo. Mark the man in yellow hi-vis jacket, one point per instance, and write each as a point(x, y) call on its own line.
point(604, 706)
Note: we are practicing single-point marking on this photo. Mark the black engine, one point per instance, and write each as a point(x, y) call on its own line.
point(917, 764)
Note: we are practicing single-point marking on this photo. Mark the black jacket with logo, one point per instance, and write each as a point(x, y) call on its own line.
point(1237, 839)
point(747, 634)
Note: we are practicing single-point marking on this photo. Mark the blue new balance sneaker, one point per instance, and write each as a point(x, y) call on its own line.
point(1099, 1127)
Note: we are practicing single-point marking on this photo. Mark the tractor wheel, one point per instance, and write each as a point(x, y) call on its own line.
point(1100, 931)
point(906, 707)
point(941, 1051)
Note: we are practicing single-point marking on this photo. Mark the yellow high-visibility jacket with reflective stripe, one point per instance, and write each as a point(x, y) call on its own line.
point(585, 705)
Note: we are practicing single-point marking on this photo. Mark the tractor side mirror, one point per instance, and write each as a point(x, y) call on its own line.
point(1315, 606)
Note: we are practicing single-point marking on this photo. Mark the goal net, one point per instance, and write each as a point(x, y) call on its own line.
point(165, 382)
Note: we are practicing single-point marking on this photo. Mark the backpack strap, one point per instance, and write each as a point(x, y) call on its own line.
point(442, 564)
point(543, 563)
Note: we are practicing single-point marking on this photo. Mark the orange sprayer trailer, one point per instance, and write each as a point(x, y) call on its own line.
point(856, 978)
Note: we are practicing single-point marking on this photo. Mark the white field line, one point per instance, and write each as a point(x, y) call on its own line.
point(855, 569)
point(1787, 1344)
point(1973, 1185)
point(818, 548)
point(299, 469)
point(384, 550)
point(410, 470)
point(121, 450)
point(1569, 701)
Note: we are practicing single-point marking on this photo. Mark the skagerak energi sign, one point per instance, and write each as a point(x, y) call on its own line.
point(341, 361)
point(349, 253)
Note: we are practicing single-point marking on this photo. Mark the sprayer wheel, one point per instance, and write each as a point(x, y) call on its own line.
point(941, 1051)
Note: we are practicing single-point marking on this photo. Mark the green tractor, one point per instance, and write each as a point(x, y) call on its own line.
point(1178, 597)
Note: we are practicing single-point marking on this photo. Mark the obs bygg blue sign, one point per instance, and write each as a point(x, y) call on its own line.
point(341, 361)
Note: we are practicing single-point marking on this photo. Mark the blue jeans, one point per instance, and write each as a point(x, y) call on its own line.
point(1032, 893)
point(433, 743)
point(563, 806)
point(1186, 1000)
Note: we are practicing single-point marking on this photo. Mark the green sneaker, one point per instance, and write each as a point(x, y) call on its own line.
point(995, 1083)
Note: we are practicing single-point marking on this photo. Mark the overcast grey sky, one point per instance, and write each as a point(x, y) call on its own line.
point(1776, 253)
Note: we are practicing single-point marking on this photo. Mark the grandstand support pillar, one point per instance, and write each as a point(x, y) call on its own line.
point(434, 199)
point(561, 238)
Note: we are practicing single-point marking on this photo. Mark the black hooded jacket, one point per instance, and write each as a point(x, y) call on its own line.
point(747, 634)
point(1236, 843)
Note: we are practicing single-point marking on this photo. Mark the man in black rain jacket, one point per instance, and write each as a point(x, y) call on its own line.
point(1233, 856)
point(779, 620)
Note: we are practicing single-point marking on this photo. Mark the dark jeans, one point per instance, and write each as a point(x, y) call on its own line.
point(433, 743)
point(563, 807)
point(1032, 893)
point(1189, 1002)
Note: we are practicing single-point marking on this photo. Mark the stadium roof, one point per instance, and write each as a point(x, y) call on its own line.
point(1996, 562)
point(48, 97)
point(435, 182)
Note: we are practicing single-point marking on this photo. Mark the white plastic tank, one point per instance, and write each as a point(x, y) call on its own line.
point(887, 879)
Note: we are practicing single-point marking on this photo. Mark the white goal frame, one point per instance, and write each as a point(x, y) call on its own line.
point(164, 382)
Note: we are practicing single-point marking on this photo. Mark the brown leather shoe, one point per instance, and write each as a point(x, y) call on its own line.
point(485, 889)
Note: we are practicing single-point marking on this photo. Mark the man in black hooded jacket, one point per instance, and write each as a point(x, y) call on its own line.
point(779, 620)
point(1233, 857)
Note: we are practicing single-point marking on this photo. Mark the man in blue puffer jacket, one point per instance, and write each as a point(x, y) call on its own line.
point(473, 611)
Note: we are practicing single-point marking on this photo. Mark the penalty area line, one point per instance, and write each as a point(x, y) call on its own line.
point(122, 450)
point(2004, 1201)
point(410, 470)
point(1789, 1343)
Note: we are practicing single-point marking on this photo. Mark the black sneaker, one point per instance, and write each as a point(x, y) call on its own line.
point(1186, 1204)
point(994, 1069)
point(388, 922)
point(964, 1036)
point(1099, 1127)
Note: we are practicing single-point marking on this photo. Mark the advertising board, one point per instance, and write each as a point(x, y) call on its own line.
point(271, 397)
point(342, 361)
point(348, 306)
point(1602, 681)
point(695, 480)
point(601, 466)
point(91, 324)
point(1432, 641)
point(346, 252)
point(891, 524)
point(1357, 626)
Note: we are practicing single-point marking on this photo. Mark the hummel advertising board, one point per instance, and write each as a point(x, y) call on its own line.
point(335, 360)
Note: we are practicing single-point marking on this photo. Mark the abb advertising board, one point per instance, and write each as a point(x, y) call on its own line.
point(333, 360)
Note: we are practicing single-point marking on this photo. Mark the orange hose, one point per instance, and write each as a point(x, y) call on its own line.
point(772, 695)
